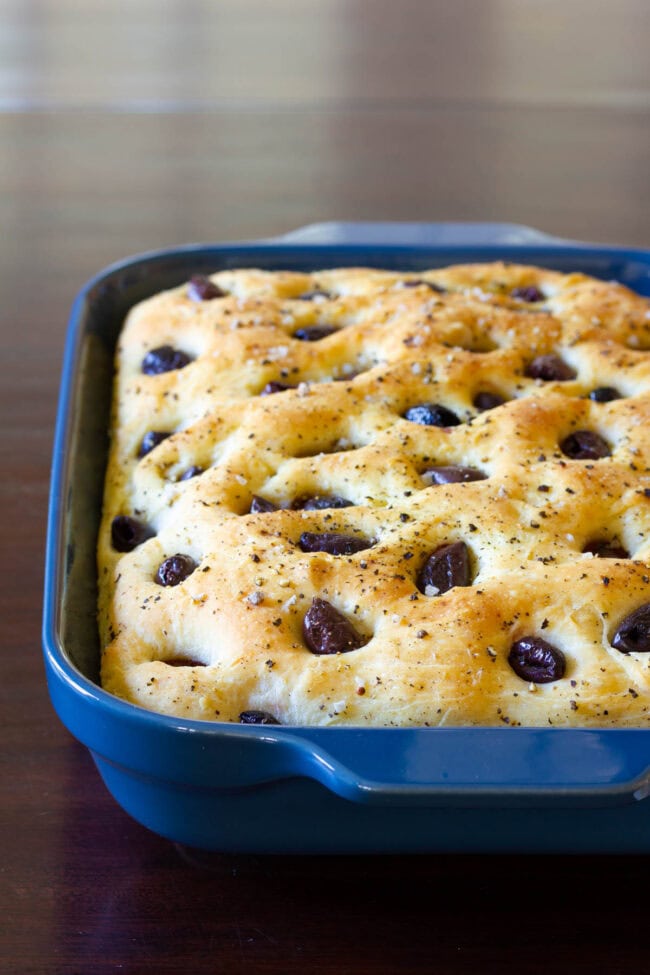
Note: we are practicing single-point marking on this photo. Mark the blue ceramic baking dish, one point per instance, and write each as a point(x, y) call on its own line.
point(271, 789)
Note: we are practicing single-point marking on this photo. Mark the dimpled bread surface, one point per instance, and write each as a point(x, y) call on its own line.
point(229, 638)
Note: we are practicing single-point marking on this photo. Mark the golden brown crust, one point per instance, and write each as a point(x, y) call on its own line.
point(430, 659)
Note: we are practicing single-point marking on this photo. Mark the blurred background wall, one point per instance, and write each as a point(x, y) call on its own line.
point(216, 119)
point(170, 54)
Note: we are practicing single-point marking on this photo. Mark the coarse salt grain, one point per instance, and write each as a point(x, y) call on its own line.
point(430, 590)
point(241, 479)
point(255, 598)
point(480, 294)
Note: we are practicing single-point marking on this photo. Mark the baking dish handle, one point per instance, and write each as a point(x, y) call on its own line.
point(405, 233)
point(474, 766)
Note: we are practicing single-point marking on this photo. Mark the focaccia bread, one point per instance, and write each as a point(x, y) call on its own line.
point(377, 498)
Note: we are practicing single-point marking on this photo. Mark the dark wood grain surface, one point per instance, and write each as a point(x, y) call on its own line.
point(129, 127)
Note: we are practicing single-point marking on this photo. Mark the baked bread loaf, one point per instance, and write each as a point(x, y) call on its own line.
point(365, 497)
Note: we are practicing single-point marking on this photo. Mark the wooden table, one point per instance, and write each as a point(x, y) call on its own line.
point(130, 128)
